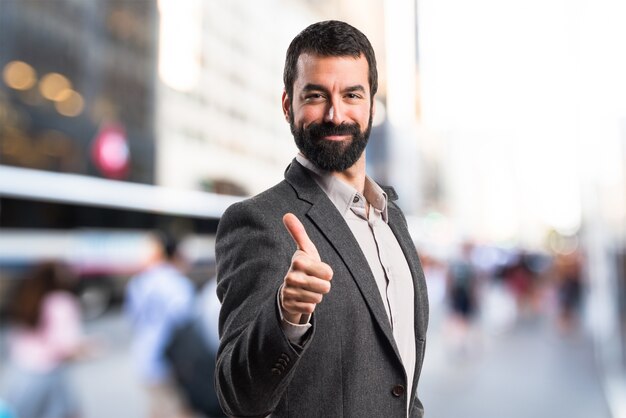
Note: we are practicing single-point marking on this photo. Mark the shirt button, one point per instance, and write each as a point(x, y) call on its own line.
point(397, 391)
point(356, 198)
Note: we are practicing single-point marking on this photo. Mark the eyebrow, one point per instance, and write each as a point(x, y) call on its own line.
point(319, 87)
point(358, 88)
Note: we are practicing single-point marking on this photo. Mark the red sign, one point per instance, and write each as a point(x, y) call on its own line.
point(110, 151)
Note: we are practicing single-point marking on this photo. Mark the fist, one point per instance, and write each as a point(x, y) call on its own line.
point(308, 278)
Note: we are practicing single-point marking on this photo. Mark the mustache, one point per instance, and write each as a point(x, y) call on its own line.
point(319, 130)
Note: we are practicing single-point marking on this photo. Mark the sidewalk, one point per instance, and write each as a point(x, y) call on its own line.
point(529, 371)
point(107, 385)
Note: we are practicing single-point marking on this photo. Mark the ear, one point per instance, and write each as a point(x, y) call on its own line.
point(286, 105)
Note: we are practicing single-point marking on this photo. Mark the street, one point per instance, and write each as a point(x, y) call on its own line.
point(529, 371)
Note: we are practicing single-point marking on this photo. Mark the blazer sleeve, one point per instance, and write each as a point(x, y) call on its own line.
point(255, 361)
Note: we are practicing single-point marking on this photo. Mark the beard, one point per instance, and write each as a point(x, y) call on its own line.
point(331, 155)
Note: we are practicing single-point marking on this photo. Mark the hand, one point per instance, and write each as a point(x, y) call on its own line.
point(308, 278)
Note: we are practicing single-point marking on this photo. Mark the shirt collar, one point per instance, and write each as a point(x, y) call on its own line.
point(343, 195)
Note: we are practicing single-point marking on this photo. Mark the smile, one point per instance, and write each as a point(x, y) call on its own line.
point(337, 137)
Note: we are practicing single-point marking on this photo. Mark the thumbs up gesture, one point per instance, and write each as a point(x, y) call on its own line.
point(308, 278)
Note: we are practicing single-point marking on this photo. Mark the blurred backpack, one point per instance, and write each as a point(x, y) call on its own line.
point(192, 361)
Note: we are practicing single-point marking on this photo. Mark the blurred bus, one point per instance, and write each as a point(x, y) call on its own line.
point(100, 228)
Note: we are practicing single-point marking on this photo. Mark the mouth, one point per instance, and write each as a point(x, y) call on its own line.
point(336, 137)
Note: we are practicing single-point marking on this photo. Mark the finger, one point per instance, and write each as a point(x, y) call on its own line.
point(299, 281)
point(305, 264)
point(291, 295)
point(299, 235)
point(300, 308)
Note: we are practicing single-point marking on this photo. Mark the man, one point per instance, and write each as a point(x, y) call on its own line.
point(324, 306)
point(158, 300)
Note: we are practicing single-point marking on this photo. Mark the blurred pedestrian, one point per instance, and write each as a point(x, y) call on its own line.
point(522, 283)
point(45, 334)
point(461, 287)
point(192, 351)
point(569, 287)
point(462, 296)
point(158, 300)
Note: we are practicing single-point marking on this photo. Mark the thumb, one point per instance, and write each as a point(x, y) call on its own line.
point(299, 235)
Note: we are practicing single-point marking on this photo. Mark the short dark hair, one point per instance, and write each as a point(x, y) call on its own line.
point(169, 244)
point(330, 38)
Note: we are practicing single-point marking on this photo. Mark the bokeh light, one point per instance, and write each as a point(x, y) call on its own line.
point(72, 103)
point(54, 86)
point(19, 75)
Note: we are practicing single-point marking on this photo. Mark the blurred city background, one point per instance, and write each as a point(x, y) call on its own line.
point(501, 124)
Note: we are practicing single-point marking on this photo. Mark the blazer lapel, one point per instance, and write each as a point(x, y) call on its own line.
point(420, 300)
point(330, 222)
point(396, 223)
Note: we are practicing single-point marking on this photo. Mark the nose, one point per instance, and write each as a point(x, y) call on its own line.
point(334, 112)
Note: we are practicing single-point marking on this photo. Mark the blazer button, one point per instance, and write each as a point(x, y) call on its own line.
point(397, 391)
point(276, 372)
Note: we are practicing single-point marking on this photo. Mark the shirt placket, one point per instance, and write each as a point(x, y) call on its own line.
point(358, 208)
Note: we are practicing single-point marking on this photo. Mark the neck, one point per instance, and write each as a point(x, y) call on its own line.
point(355, 175)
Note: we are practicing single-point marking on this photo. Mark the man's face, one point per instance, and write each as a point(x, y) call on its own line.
point(330, 114)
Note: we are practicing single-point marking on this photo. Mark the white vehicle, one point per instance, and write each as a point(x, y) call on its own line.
point(99, 227)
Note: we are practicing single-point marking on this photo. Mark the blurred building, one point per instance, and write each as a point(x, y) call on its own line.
point(77, 109)
point(78, 87)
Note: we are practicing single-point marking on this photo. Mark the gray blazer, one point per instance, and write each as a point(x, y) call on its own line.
point(349, 365)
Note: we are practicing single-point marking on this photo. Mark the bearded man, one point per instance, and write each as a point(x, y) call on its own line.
point(324, 307)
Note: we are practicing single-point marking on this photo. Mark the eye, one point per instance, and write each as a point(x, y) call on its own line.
point(313, 96)
point(353, 96)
